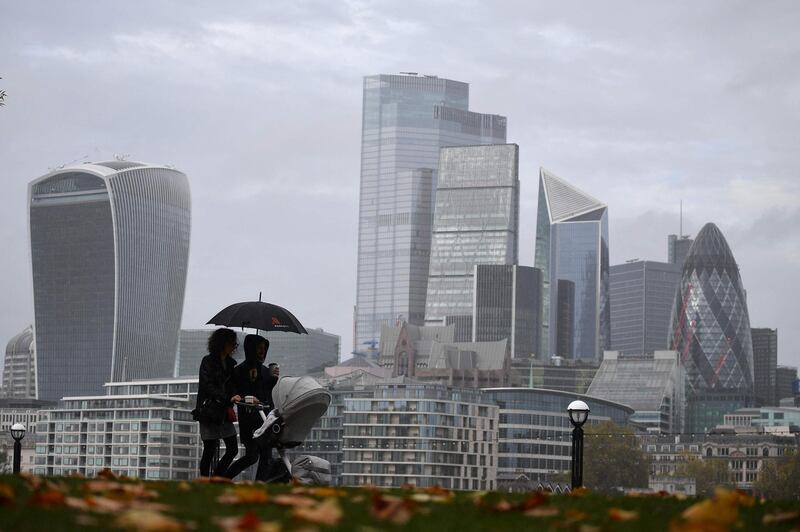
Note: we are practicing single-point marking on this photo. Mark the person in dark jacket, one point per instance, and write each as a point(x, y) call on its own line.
point(216, 386)
point(252, 379)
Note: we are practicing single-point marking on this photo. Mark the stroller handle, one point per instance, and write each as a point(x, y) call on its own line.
point(258, 406)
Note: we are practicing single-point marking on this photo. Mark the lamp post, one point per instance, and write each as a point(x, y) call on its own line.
point(578, 414)
point(17, 432)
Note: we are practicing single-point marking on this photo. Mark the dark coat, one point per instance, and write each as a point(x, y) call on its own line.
point(216, 380)
point(260, 387)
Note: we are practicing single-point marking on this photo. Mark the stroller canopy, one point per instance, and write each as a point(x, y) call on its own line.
point(300, 401)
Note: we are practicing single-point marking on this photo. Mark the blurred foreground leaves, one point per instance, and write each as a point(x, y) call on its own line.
point(110, 503)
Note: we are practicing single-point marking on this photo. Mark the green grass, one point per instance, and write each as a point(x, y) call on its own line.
point(195, 506)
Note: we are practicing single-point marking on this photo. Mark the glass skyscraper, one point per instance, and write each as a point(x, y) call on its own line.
point(711, 329)
point(765, 364)
point(508, 300)
point(109, 253)
point(677, 249)
point(406, 120)
point(476, 221)
point(572, 245)
point(642, 293)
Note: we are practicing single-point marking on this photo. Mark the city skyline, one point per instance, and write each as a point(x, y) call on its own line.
point(645, 154)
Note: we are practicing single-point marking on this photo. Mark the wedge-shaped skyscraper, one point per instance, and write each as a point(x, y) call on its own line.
point(109, 252)
point(476, 221)
point(406, 120)
point(572, 250)
point(710, 328)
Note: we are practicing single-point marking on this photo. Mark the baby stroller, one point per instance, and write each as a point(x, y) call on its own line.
point(299, 402)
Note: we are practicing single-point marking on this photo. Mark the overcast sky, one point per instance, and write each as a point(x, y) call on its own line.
point(640, 104)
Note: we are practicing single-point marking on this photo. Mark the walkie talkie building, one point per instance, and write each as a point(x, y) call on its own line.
point(109, 254)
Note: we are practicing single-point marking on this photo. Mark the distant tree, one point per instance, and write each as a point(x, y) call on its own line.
point(707, 473)
point(2, 97)
point(780, 478)
point(613, 458)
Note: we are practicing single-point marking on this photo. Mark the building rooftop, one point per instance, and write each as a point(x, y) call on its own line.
point(641, 382)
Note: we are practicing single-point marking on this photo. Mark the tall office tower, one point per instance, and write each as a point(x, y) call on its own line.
point(786, 382)
point(677, 248)
point(710, 327)
point(476, 221)
point(765, 364)
point(642, 293)
point(572, 245)
point(19, 367)
point(565, 319)
point(508, 300)
point(406, 120)
point(109, 251)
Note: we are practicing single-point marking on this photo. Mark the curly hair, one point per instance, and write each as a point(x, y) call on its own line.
point(219, 339)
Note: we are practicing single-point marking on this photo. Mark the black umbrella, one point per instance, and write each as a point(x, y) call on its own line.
point(258, 315)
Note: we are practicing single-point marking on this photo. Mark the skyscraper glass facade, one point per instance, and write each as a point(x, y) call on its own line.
point(508, 305)
point(677, 249)
point(109, 253)
point(476, 221)
point(765, 364)
point(710, 327)
point(406, 120)
point(642, 293)
point(572, 245)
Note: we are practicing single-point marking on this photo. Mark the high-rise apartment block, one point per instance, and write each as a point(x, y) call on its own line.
point(508, 300)
point(476, 221)
point(710, 328)
point(109, 252)
point(572, 245)
point(765, 365)
point(19, 367)
point(642, 294)
point(406, 120)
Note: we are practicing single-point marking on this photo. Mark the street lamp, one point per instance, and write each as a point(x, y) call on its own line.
point(578, 414)
point(17, 432)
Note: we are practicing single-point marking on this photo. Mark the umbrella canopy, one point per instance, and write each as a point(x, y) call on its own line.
point(258, 315)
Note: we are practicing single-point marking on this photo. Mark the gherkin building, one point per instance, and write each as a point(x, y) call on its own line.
point(710, 329)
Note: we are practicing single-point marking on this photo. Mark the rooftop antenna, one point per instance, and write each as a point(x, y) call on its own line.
point(680, 235)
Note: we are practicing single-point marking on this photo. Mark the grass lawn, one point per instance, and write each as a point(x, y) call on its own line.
point(53, 504)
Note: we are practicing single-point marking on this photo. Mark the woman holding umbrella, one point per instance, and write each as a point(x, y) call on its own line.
point(215, 395)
